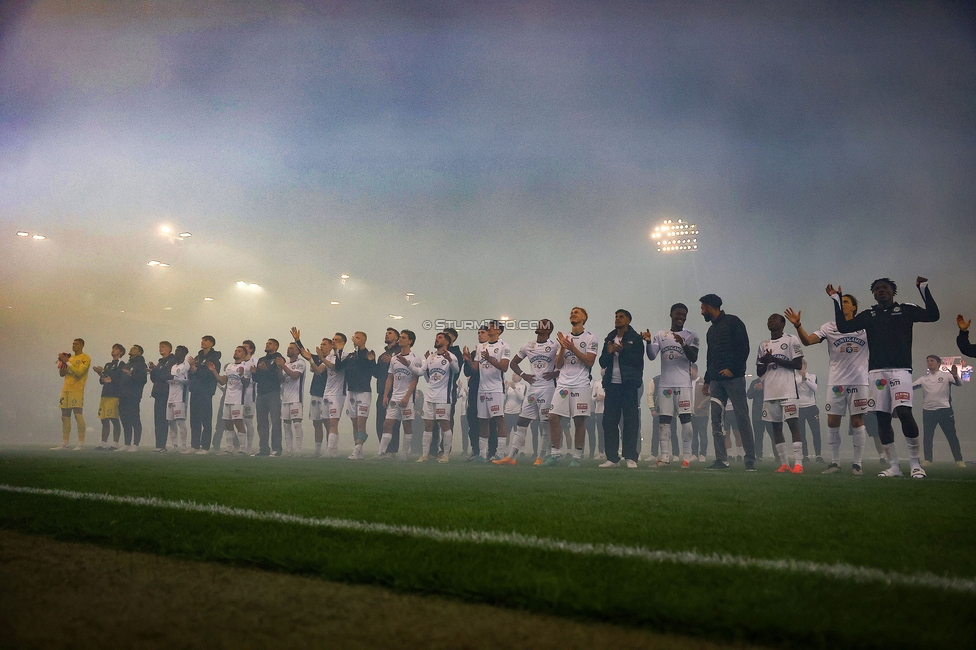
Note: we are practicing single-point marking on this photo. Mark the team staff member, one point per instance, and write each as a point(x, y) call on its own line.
point(133, 382)
point(74, 368)
point(725, 378)
point(268, 401)
point(160, 373)
point(622, 360)
point(936, 387)
point(203, 385)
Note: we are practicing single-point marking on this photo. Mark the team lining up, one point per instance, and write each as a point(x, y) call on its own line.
point(863, 377)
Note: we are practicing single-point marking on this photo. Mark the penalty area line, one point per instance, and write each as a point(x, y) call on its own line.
point(837, 571)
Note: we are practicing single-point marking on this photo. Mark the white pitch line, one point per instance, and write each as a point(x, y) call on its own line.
point(838, 571)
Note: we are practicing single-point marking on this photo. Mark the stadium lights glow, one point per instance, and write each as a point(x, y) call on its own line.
point(396, 317)
point(675, 235)
point(167, 309)
point(23, 233)
point(344, 276)
point(165, 230)
point(241, 283)
point(254, 285)
point(334, 302)
point(38, 237)
point(410, 294)
point(184, 235)
point(208, 299)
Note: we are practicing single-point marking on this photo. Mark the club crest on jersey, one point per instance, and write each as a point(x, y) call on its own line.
point(783, 346)
point(563, 393)
point(880, 384)
point(871, 403)
point(827, 407)
point(765, 414)
point(548, 348)
point(941, 379)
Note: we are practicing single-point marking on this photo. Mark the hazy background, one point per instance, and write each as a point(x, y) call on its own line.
point(499, 159)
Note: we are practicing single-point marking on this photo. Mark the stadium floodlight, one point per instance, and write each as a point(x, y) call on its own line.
point(23, 233)
point(344, 276)
point(334, 302)
point(38, 237)
point(253, 285)
point(675, 235)
point(241, 283)
point(208, 299)
point(184, 235)
point(165, 230)
point(153, 263)
point(396, 317)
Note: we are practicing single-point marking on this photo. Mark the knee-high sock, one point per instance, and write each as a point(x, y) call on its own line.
point(518, 441)
point(784, 458)
point(546, 440)
point(892, 454)
point(405, 444)
point(913, 452)
point(448, 441)
point(333, 442)
point(664, 442)
point(171, 432)
point(65, 429)
point(249, 432)
point(798, 453)
point(240, 437)
point(425, 442)
point(289, 436)
point(502, 450)
point(858, 439)
point(385, 442)
point(181, 427)
point(80, 421)
point(833, 441)
point(687, 431)
point(298, 434)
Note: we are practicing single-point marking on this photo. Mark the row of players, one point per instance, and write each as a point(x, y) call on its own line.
point(559, 378)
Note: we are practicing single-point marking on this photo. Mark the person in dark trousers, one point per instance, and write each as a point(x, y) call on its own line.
point(160, 373)
point(936, 388)
point(436, 442)
point(725, 378)
point(699, 419)
point(471, 412)
point(759, 428)
point(267, 376)
point(622, 359)
point(381, 371)
point(888, 326)
point(203, 385)
point(132, 383)
point(109, 376)
point(962, 339)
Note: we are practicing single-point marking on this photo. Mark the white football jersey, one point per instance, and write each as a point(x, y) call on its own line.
point(235, 383)
point(575, 373)
point(178, 385)
point(542, 359)
point(335, 384)
point(492, 378)
point(292, 388)
point(438, 371)
point(780, 382)
point(675, 364)
point(250, 391)
point(403, 374)
point(848, 356)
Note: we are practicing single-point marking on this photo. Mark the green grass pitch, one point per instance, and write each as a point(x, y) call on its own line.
point(896, 525)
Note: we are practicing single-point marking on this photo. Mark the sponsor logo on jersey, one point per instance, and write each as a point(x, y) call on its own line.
point(563, 392)
point(684, 404)
point(863, 402)
point(574, 394)
point(790, 409)
point(837, 389)
point(530, 399)
point(582, 406)
point(902, 396)
point(481, 397)
point(894, 382)
point(667, 392)
point(852, 391)
point(495, 407)
point(880, 384)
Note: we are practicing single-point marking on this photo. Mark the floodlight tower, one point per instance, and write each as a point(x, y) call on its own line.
point(675, 236)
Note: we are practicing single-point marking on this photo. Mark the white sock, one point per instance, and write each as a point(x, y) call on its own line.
point(859, 438)
point(249, 432)
point(172, 433)
point(578, 454)
point(425, 442)
point(798, 453)
point(686, 432)
point(318, 448)
point(518, 441)
point(241, 437)
point(781, 452)
point(483, 448)
point(554, 451)
point(912, 452)
point(833, 441)
point(544, 439)
point(448, 441)
point(358, 450)
point(891, 454)
point(664, 442)
point(384, 442)
point(502, 446)
point(333, 442)
point(405, 444)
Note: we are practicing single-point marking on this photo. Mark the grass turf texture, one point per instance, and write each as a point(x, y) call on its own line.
point(897, 525)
